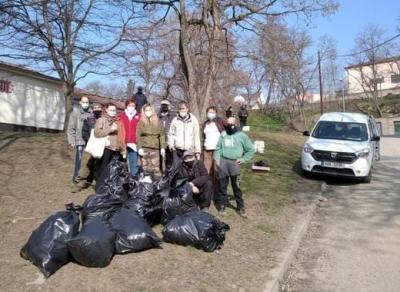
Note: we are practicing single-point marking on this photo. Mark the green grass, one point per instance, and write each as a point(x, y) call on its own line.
point(273, 189)
point(272, 122)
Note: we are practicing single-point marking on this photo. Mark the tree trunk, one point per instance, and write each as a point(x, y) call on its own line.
point(68, 91)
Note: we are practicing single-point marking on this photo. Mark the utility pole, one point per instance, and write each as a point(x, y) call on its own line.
point(321, 92)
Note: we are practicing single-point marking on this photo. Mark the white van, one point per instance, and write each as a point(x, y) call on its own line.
point(342, 144)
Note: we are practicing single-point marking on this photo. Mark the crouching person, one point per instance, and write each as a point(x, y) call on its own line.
point(197, 175)
point(234, 148)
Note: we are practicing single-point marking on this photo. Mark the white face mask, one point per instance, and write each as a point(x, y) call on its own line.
point(131, 110)
point(211, 116)
point(112, 113)
point(85, 105)
point(148, 113)
point(183, 114)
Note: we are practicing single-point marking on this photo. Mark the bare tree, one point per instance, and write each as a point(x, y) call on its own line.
point(69, 37)
point(369, 50)
point(213, 20)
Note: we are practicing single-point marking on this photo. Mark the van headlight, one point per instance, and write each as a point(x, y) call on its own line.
point(307, 148)
point(363, 153)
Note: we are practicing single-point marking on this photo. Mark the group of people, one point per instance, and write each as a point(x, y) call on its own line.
point(207, 155)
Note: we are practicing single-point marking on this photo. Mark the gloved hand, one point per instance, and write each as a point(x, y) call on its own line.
point(72, 145)
point(198, 156)
point(195, 190)
point(141, 152)
point(162, 152)
point(114, 127)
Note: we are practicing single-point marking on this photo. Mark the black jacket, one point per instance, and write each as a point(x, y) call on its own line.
point(242, 113)
point(140, 100)
point(197, 174)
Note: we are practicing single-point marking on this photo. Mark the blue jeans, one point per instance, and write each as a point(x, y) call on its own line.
point(132, 157)
point(78, 160)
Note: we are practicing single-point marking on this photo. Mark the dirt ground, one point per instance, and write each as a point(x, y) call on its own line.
point(35, 174)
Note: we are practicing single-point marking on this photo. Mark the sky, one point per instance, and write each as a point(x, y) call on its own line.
point(352, 17)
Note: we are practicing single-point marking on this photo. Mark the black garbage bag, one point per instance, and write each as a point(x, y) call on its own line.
point(94, 245)
point(47, 246)
point(100, 204)
point(179, 201)
point(146, 201)
point(199, 229)
point(115, 180)
point(133, 233)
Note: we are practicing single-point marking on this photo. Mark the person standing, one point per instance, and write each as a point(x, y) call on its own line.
point(199, 181)
point(165, 116)
point(140, 99)
point(89, 172)
point(233, 149)
point(184, 134)
point(212, 129)
point(109, 125)
point(229, 112)
point(151, 141)
point(243, 114)
point(130, 119)
point(74, 134)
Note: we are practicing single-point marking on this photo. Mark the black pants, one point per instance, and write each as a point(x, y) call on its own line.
point(203, 199)
point(242, 123)
point(168, 160)
point(108, 155)
point(177, 157)
point(222, 197)
point(93, 165)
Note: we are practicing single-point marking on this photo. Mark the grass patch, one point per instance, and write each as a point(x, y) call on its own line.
point(272, 122)
point(268, 228)
point(281, 153)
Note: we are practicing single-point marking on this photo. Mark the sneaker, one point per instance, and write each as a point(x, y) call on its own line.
point(241, 212)
point(85, 185)
point(205, 209)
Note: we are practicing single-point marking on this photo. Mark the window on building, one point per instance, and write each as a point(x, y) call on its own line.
point(395, 78)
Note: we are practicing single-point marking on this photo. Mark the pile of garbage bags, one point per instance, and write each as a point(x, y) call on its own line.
point(118, 219)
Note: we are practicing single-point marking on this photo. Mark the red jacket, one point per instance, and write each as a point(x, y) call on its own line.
point(130, 127)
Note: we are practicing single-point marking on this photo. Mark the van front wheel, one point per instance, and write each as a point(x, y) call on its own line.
point(368, 178)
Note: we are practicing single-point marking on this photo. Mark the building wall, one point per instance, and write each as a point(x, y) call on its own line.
point(32, 102)
point(384, 70)
point(388, 125)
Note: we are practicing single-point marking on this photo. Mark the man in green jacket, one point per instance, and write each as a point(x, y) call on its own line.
point(234, 148)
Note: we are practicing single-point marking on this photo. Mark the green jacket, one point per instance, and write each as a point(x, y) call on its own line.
point(236, 146)
point(150, 136)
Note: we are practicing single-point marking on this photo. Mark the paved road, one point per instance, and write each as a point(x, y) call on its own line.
point(353, 243)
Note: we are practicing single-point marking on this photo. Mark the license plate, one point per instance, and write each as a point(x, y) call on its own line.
point(332, 164)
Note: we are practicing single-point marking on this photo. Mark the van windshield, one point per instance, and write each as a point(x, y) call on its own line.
point(341, 131)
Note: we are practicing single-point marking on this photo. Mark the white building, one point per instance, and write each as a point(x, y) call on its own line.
point(360, 77)
point(30, 99)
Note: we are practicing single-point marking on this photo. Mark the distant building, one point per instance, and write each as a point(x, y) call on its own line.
point(360, 77)
point(30, 99)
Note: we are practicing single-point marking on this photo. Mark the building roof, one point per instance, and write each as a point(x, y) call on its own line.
point(22, 70)
point(98, 98)
point(378, 61)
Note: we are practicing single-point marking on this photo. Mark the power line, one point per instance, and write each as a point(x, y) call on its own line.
point(370, 49)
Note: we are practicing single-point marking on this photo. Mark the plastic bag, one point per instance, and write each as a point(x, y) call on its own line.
point(199, 229)
point(132, 232)
point(100, 205)
point(115, 180)
point(146, 201)
point(178, 202)
point(94, 245)
point(47, 246)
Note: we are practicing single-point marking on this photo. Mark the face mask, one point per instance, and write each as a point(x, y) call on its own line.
point(131, 110)
point(85, 106)
point(112, 113)
point(211, 116)
point(97, 114)
point(230, 129)
point(182, 114)
point(189, 163)
point(148, 113)
point(164, 108)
